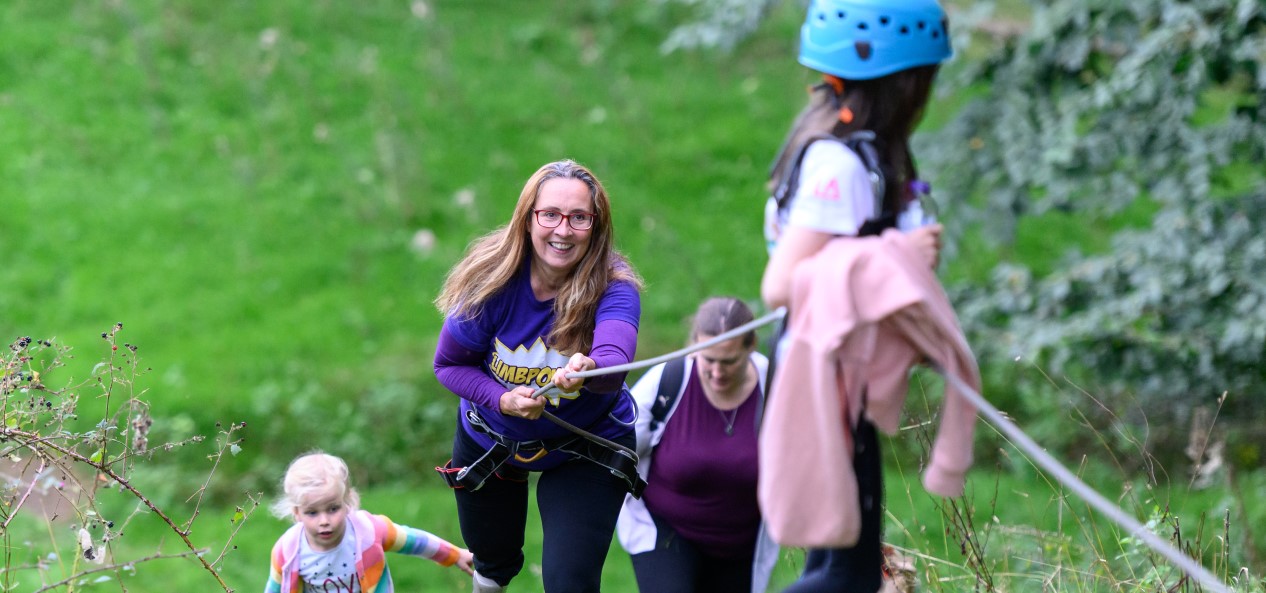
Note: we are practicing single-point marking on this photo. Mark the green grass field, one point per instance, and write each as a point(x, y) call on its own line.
point(243, 186)
point(268, 196)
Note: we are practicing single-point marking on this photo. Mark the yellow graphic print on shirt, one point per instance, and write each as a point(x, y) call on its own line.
point(533, 367)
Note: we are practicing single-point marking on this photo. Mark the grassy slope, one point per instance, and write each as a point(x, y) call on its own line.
point(240, 184)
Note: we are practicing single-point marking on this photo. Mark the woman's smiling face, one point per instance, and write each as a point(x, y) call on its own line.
point(558, 250)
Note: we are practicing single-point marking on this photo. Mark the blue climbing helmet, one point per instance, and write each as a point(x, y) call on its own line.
point(864, 39)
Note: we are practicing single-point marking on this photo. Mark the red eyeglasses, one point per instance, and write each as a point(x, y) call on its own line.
point(578, 221)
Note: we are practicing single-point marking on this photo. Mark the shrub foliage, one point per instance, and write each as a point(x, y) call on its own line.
point(1096, 108)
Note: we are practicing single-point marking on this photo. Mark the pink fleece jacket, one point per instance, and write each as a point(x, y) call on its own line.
point(863, 312)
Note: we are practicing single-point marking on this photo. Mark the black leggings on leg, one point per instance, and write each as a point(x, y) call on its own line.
point(858, 569)
point(578, 502)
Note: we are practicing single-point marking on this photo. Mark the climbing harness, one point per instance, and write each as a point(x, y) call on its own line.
point(619, 460)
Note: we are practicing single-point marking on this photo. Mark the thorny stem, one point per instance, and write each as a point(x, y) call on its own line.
point(4, 527)
point(158, 556)
point(123, 483)
point(203, 490)
point(1208, 435)
point(1250, 550)
point(109, 387)
point(61, 563)
point(969, 543)
point(237, 526)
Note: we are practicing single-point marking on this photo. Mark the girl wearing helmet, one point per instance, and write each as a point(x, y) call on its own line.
point(846, 170)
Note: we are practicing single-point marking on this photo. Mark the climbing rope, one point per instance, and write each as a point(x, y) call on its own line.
point(641, 364)
point(1068, 478)
point(777, 314)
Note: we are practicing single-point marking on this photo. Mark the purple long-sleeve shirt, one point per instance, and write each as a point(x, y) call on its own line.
point(461, 369)
point(481, 357)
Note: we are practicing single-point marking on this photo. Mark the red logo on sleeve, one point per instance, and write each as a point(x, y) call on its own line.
point(829, 191)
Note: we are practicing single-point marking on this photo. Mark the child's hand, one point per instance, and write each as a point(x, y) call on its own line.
point(927, 241)
point(578, 363)
point(465, 561)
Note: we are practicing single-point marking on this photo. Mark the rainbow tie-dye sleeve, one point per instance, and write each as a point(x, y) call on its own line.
point(416, 542)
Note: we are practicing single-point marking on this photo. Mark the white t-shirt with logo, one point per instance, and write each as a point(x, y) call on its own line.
point(835, 196)
point(333, 571)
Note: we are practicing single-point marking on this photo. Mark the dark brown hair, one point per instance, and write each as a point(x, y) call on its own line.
point(718, 315)
point(890, 106)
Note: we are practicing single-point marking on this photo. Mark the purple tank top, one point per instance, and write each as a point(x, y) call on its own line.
point(702, 481)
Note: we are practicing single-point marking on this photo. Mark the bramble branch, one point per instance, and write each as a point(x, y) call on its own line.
point(34, 439)
point(79, 575)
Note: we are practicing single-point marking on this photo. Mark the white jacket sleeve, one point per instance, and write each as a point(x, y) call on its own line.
point(634, 528)
point(644, 392)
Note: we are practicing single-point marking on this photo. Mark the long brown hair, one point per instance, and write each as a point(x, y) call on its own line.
point(890, 106)
point(492, 260)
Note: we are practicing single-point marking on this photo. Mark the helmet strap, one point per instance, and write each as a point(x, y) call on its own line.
point(837, 83)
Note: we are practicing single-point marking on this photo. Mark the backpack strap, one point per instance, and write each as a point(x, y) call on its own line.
point(765, 380)
point(861, 143)
point(791, 181)
point(669, 390)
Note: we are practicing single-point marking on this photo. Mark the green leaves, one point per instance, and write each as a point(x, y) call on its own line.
point(1100, 106)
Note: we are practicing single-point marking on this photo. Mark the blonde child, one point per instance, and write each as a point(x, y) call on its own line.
point(334, 544)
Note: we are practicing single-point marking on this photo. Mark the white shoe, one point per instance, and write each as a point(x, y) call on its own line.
point(485, 585)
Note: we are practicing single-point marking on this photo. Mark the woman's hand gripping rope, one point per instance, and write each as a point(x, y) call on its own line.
point(572, 377)
point(523, 402)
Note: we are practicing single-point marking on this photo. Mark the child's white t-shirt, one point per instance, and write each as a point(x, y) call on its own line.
point(835, 196)
point(332, 571)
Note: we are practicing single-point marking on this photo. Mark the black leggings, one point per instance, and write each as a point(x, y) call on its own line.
point(677, 565)
point(578, 502)
point(858, 569)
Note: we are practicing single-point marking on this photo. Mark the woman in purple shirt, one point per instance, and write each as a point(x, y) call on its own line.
point(541, 297)
point(695, 528)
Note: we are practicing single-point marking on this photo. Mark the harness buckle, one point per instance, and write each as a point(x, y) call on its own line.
point(621, 464)
point(473, 476)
